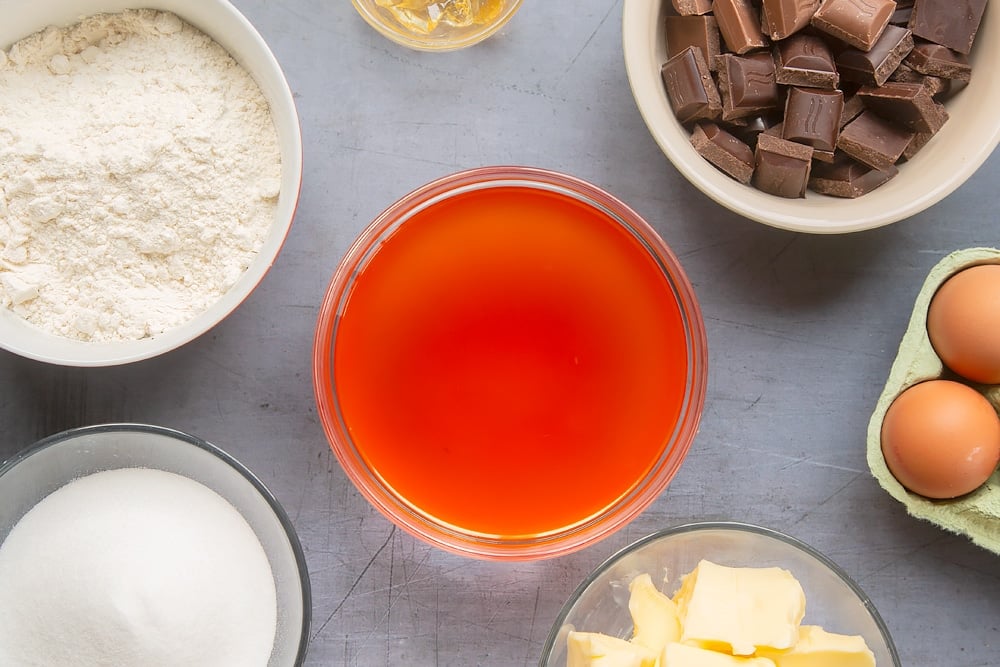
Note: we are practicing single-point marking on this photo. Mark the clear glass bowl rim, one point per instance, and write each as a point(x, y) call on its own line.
point(6, 467)
point(733, 526)
point(559, 542)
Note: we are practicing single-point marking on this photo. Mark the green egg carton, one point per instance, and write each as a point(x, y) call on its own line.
point(977, 514)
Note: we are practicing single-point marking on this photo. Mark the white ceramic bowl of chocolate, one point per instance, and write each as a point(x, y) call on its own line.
point(935, 164)
point(190, 279)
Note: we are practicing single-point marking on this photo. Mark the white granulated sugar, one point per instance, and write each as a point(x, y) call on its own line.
point(139, 175)
point(135, 568)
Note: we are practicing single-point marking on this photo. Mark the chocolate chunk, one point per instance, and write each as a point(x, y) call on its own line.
point(874, 67)
point(918, 141)
point(934, 84)
point(805, 60)
point(954, 86)
point(739, 24)
point(853, 105)
point(858, 22)
point(873, 140)
point(901, 16)
point(940, 61)
point(824, 156)
point(723, 150)
point(684, 31)
point(908, 104)
point(749, 127)
point(777, 130)
point(812, 117)
point(951, 23)
point(746, 84)
point(782, 18)
point(690, 87)
point(937, 87)
point(692, 7)
point(781, 167)
point(845, 177)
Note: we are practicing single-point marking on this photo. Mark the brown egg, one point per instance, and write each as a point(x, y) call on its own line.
point(963, 323)
point(941, 439)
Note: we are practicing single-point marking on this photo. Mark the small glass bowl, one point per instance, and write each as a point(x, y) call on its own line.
point(526, 546)
point(28, 477)
point(833, 600)
point(441, 38)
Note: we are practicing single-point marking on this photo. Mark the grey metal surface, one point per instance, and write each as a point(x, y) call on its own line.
point(802, 331)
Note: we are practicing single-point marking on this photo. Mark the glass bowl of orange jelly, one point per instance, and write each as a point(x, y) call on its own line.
point(510, 363)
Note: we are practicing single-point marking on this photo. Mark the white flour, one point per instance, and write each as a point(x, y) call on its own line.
point(139, 173)
point(135, 568)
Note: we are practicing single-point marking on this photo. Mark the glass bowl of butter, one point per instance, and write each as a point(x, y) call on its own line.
point(719, 593)
point(437, 25)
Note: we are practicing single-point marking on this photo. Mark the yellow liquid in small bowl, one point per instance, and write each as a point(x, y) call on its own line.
point(436, 24)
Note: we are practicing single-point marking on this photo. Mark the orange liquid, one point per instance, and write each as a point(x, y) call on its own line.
point(510, 361)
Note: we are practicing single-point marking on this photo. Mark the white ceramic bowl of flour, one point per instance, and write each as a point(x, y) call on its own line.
point(149, 582)
point(233, 32)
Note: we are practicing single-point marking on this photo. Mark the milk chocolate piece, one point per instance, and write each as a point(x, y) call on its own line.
point(805, 60)
point(690, 87)
point(845, 177)
point(934, 84)
point(782, 18)
point(853, 105)
point(874, 67)
point(858, 22)
point(692, 7)
point(824, 156)
point(901, 16)
point(954, 86)
point(781, 167)
point(918, 141)
point(748, 128)
point(908, 104)
point(723, 150)
point(739, 24)
point(777, 130)
point(937, 87)
point(873, 140)
point(951, 23)
point(746, 84)
point(812, 117)
point(684, 31)
point(936, 60)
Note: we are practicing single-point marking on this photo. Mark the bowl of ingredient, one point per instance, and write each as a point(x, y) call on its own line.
point(141, 545)
point(437, 25)
point(510, 363)
point(719, 593)
point(816, 117)
point(129, 229)
point(934, 435)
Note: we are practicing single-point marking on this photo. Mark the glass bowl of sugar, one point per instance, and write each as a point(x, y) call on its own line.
point(143, 545)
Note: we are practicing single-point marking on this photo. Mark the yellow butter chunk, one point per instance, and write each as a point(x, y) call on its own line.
point(593, 649)
point(654, 615)
point(740, 609)
point(818, 648)
point(682, 655)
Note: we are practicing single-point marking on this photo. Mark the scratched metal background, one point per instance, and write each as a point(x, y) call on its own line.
point(801, 329)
